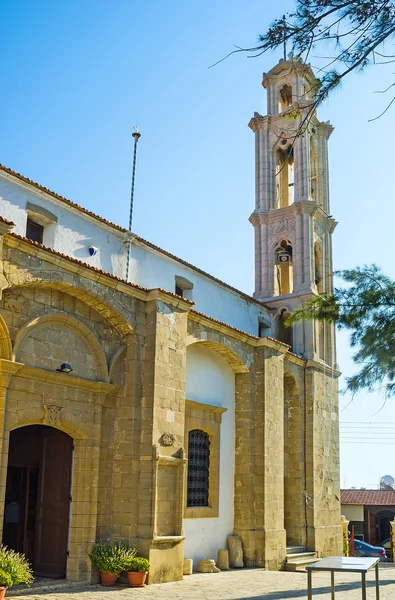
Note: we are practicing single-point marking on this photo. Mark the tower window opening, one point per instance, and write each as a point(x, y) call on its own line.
point(318, 269)
point(285, 177)
point(284, 334)
point(314, 174)
point(285, 98)
point(283, 268)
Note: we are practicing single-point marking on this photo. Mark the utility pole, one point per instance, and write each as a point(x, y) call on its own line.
point(136, 134)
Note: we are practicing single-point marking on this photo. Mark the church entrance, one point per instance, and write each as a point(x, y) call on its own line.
point(37, 499)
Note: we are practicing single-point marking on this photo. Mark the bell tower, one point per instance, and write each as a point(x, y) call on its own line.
point(292, 221)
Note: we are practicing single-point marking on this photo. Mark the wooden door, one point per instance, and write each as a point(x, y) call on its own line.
point(53, 502)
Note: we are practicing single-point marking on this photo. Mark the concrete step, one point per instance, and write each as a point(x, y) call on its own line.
point(295, 549)
point(299, 561)
point(300, 555)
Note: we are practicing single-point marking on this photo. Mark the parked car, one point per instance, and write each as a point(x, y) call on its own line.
point(364, 549)
point(387, 546)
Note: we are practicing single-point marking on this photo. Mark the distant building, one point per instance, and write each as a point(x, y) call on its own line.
point(370, 512)
point(171, 409)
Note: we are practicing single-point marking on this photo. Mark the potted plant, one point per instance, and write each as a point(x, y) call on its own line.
point(14, 569)
point(137, 569)
point(111, 558)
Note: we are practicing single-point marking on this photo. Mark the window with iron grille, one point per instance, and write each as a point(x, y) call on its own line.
point(198, 468)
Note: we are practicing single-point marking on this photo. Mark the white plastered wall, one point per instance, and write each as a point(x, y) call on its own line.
point(210, 380)
point(72, 234)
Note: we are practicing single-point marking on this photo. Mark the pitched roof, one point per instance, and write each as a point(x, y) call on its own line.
point(41, 188)
point(368, 497)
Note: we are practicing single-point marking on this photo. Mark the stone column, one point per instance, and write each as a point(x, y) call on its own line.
point(162, 462)
point(324, 531)
point(259, 468)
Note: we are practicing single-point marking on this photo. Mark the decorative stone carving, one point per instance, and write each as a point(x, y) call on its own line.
point(284, 225)
point(52, 414)
point(223, 560)
point(167, 439)
point(207, 565)
point(188, 566)
point(235, 552)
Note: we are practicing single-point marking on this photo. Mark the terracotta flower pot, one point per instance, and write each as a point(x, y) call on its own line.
point(107, 579)
point(2, 592)
point(136, 579)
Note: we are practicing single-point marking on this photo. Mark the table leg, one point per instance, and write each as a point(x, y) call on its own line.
point(377, 582)
point(363, 586)
point(309, 586)
point(332, 585)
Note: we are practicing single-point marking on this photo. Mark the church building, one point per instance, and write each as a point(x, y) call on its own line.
point(142, 398)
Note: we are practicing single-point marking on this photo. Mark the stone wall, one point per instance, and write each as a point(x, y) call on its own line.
point(124, 407)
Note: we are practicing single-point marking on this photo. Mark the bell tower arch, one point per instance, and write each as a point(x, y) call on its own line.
point(292, 221)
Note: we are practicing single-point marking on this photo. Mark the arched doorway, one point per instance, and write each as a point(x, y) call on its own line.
point(36, 514)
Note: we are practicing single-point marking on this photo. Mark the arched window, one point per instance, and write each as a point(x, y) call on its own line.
point(284, 334)
point(315, 180)
point(285, 176)
point(198, 468)
point(283, 272)
point(318, 268)
point(284, 98)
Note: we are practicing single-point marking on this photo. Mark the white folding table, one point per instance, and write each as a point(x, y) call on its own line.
point(344, 564)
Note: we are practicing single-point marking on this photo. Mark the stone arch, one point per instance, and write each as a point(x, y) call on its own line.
point(5, 341)
point(66, 322)
point(115, 364)
point(293, 462)
point(64, 424)
point(119, 321)
point(229, 355)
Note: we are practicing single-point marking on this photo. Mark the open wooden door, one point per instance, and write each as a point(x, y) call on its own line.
point(53, 503)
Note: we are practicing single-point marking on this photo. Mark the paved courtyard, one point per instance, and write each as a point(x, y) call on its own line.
point(246, 584)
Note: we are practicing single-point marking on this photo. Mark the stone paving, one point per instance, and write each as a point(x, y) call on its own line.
point(246, 584)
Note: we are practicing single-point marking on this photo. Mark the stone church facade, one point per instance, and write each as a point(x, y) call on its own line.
point(190, 412)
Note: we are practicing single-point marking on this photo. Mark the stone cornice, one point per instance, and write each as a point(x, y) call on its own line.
point(168, 298)
point(285, 67)
point(63, 379)
point(269, 342)
point(208, 407)
point(324, 368)
point(228, 330)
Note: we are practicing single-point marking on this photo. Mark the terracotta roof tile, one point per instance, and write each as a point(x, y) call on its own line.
point(3, 220)
point(79, 262)
point(187, 264)
point(368, 497)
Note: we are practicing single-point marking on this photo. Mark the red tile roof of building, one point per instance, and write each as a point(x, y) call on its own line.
point(368, 497)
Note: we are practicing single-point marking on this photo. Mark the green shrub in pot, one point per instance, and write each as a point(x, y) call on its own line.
point(112, 556)
point(14, 568)
point(138, 564)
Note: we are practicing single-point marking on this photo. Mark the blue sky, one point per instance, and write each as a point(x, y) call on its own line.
point(78, 75)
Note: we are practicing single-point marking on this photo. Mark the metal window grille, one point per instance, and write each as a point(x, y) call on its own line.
point(198, 468)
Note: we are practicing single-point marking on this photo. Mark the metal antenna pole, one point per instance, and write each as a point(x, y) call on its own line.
point(285, 41)
point(136, 136)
